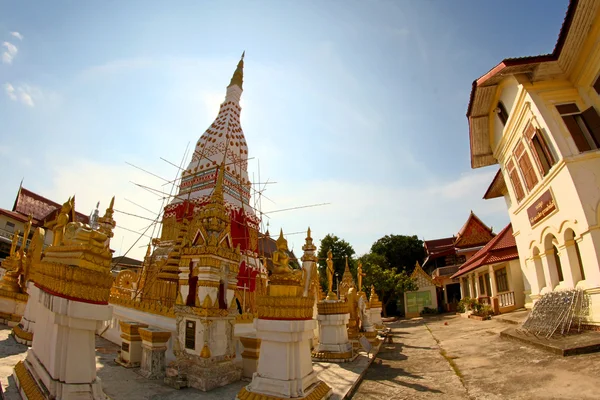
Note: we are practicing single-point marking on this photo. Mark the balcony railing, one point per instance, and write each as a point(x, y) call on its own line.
point(445, 271)
point(506, 299)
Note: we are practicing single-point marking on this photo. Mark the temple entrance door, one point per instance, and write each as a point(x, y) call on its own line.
point(222, 297)
point(191, 297)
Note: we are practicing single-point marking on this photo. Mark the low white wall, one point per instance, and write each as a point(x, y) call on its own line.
point(111, 330)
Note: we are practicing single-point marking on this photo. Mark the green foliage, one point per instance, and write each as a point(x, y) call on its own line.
point(389, 283)
point(428, 311)
point(400, 251)
point(484, 311)
point(339, 249)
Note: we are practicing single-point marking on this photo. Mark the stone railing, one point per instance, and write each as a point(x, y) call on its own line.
point(506, 299)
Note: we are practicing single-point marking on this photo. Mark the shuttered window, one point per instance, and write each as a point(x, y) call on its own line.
point(584, 127)
point(526, 166)
point(540, 149)
point(597, 85)
point(501, 280)
point(502, 114)
point(515, 180)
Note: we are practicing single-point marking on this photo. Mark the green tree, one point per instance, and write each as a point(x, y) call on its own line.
point(339, 249)
point(400, 251)
point(388, 282)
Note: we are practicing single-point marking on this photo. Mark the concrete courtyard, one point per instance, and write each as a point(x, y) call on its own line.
point(451, 357)
point(438, 357)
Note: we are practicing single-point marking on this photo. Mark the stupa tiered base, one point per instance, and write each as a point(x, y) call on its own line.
point(285, 366)
point(23, 331)
point(334, 346)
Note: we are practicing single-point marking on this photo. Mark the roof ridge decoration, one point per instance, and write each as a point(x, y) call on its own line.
point(474, 232)
point(418, 272)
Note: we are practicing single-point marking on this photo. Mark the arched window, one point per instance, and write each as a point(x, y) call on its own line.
point(558, 264)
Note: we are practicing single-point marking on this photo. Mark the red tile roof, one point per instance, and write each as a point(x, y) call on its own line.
point(41, 208)
point(516, 61)
point(503, 247)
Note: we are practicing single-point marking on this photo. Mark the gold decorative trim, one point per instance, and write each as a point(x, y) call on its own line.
point(287, 307)
point(73, 281)
point(131, 328)
point(328, 355)
point(10, 317)
point(154, 336)
point(27, 383)
point(21, 334)
point(144, 306)
point(203, 312)
point(329, 308)
point(245, 318)
point(321, 391)
point(251, 355)
point(207, 283)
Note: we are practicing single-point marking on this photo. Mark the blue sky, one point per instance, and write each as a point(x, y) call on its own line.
point(358, 103)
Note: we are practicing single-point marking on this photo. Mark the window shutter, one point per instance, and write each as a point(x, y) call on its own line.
point(576, 133)
point(592, 121)
point(597, 85)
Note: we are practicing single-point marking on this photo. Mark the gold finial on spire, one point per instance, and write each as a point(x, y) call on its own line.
point(308, 233)
point(238, 75)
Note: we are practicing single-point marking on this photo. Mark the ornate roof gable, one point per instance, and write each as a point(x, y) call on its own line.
point(473, 233)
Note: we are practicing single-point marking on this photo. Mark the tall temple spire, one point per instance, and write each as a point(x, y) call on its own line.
point(238, 75)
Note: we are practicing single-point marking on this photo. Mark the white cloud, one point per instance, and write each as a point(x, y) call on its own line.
point(91, 182)
point(10, 53)
point(17, 35)
point(10, 91)
point(362, 212)
point(24, 94)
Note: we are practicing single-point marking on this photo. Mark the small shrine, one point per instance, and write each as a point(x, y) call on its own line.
point(375, 306)
point(206, 269)
point(333, 317)
point(424, 297)
point(285, 327)
point(73, 281)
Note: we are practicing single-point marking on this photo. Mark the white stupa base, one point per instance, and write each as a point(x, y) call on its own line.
point(376, 317)
point(51, 388)
point(334, 345)
point(284, 365)
point(62, 359)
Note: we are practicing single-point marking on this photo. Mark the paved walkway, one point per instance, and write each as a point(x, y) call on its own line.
point(126, 384)
point(455, 358)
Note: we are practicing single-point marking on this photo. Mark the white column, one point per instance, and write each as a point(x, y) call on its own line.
point(550, 269)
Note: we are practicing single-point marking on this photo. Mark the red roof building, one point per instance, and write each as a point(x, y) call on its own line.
point(42, 211)
point(493, 274)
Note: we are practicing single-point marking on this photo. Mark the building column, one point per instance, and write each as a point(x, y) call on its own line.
point(493, 286)
point(477, 288)
point(589, 247)
point(472, 286)
point(550, 269)
point(570, 264)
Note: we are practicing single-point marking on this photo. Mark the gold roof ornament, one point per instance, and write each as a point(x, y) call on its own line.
point(15, 241)
point(359, 274)
point(374, 301)
point(284, 299)
point(26, 234)
point(238, 75)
